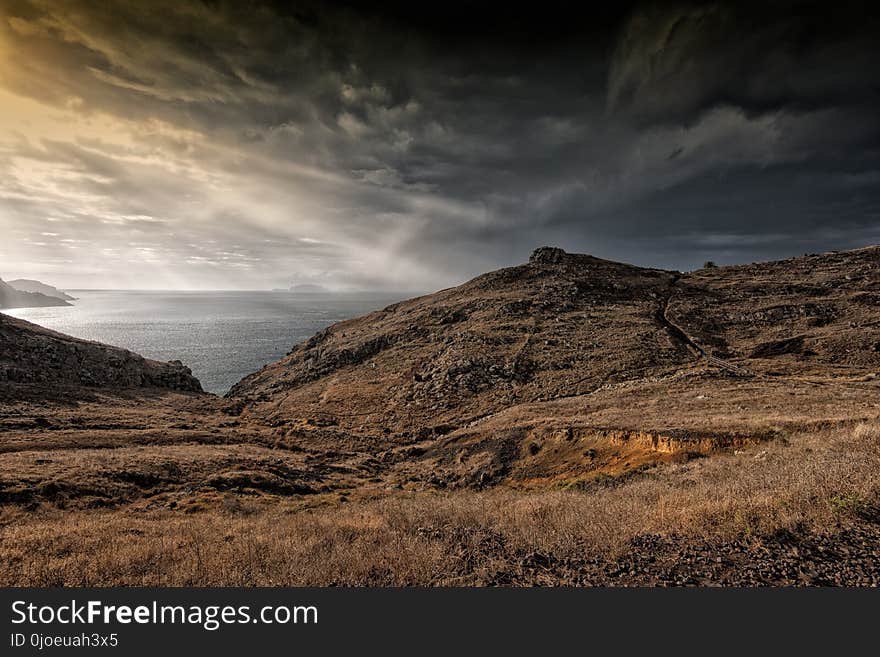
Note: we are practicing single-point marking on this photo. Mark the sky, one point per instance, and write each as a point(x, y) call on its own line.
point(196, 144)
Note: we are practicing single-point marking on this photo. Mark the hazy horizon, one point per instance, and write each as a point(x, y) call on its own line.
point(363, 291)
point(199, 145)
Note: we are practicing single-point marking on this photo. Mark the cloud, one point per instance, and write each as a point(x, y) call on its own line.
point(201, 144)
point(674, 60)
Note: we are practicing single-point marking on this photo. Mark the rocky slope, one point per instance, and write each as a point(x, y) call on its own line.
point(30, 354)
point(12, 298)
point(560, 325)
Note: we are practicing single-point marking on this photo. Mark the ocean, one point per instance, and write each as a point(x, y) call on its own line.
point(222, 336)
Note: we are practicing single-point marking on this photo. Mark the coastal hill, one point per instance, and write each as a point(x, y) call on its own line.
point(30, 354)
point(29, 285)
point(571, 367)
point(10, 297)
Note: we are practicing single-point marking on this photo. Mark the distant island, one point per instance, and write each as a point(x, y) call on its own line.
point(303, 288)
point(308, 288)
point(14, 297)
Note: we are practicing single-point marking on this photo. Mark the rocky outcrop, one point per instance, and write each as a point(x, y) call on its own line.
point(547, 255)
point(30, 354)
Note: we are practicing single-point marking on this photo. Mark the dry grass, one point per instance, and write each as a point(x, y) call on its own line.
point(806, 482)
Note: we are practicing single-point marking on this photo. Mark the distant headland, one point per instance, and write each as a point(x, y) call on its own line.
point(25, 293)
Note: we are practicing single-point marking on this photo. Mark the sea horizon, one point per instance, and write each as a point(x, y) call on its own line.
point(271, 291)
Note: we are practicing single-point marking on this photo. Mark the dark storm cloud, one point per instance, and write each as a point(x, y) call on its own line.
point(414, 147)
point(673, 61)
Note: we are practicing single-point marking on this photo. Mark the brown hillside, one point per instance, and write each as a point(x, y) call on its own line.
point(610, 366)
point(561, 325)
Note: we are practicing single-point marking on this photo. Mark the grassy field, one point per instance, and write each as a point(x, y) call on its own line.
point(804, 485)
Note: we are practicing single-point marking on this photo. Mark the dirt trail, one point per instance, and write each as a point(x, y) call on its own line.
point(679, 334)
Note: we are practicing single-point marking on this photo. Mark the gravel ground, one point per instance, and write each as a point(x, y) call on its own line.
point(848, 555)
